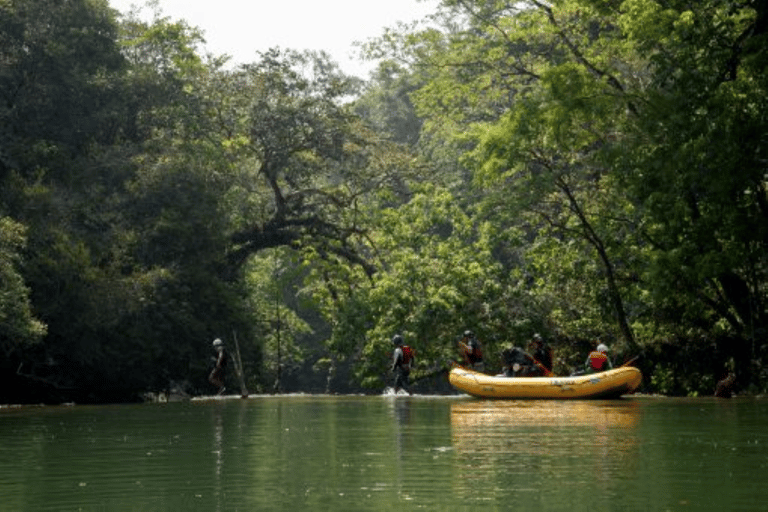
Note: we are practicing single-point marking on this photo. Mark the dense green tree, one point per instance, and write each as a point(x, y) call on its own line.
point(693, 157)
point(437, 278)
point(121, 244)
point(58, 61)
point(57, 58)
point(509, 81)
point(18, 326)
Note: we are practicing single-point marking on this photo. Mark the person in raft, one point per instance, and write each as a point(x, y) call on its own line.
point(472, 351)
point(401, 363)
point(220, 367)
point(598, 360)
point(542, 352)
point(516, 362)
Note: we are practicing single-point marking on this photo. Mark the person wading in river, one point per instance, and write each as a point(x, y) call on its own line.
point(401, 363)
point(220, 368)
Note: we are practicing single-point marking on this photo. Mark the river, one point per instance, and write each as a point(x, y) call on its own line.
point(387, 453)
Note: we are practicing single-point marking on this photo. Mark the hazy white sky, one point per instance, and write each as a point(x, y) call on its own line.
point(239, 28)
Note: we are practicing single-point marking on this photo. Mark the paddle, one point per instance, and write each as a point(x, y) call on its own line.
point(543, 368)
point(629, 363)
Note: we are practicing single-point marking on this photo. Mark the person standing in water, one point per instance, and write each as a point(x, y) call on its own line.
point(220, 368)
point(401, 363)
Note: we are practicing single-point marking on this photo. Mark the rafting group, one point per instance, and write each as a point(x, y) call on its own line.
point(526, 374)
point(516, 362)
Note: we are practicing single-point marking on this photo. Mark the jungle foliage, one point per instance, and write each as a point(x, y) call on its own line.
point(585, 169)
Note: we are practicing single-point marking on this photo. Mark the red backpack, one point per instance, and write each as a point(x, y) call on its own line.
point(407, 354)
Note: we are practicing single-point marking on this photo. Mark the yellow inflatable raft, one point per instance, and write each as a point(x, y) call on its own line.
point(609, 384)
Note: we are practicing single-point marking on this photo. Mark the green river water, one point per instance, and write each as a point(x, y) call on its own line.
point(307, 453)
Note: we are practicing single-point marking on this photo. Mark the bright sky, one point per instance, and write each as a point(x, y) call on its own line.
point(240, 28)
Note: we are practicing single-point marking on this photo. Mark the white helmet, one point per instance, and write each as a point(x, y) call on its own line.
point(602, 348)
point(218, 343)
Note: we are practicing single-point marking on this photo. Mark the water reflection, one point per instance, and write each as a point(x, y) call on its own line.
point(218, 450)
point(524, 447)
point(380, 453)
point(496, 413)
point(400, 410)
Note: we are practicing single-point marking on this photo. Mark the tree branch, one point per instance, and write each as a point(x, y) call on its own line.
point(580, 58)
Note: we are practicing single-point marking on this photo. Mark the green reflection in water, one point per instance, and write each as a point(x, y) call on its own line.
point(382, 453)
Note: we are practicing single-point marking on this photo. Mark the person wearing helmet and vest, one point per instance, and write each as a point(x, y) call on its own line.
point(401, 363)
point(219, 370)
point(472, 351)
point(598, 360)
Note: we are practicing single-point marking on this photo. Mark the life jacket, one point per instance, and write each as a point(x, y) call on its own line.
point(407, 354)
point(597, 360)
point(474, 351)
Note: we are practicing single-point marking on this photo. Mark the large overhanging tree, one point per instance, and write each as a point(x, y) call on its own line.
point(291, 160)
point(261, 156)
point(148, 176)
